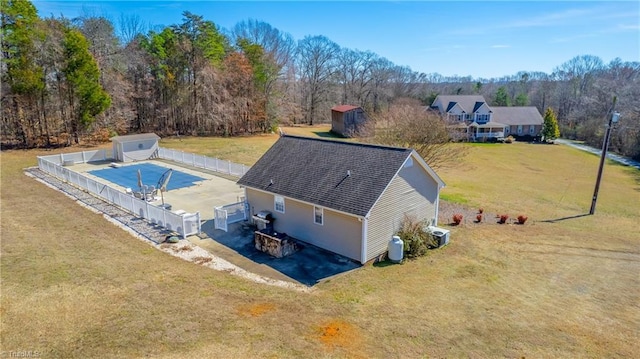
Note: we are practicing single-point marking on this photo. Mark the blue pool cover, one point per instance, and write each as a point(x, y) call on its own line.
point(127, 176)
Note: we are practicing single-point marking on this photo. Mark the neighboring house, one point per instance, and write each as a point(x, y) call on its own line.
point(479, 121)
point(350, 121)
point(519, 121)
point(134, 147)
point(463, 108)
point(345, 197)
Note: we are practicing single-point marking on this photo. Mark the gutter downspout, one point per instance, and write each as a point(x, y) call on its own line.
point(435, 219)
point(363, 254)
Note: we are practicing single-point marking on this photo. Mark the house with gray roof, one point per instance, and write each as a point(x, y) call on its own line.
point(345, 197)
point(519, 120)
point(481, 121)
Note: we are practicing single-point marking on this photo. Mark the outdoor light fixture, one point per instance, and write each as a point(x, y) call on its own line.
point(615, 116)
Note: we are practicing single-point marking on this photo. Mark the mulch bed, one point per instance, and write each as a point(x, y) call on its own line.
point(448, 209)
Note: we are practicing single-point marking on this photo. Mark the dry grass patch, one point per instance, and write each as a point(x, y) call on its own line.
point(73, 285)
point(256, 309)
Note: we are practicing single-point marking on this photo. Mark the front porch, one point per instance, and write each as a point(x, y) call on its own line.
point(489, 130)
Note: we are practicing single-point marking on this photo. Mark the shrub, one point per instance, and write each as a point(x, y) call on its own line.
point(416, 237)
point(481, 210)
point(457, 218)
point(510, 139)
point(522, 218)
point(503, 218)
point(479, 217)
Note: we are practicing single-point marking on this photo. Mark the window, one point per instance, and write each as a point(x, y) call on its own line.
point(482, 117)
point(279, 204)
point(519, 129)
point(318, 215)
point(532, 130)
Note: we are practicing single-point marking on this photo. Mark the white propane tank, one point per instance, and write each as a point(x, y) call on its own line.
point(396, 249)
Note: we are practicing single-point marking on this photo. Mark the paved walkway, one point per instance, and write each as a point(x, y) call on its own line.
point(597, 151)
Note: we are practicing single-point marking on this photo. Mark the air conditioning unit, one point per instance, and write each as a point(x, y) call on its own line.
point(441, 235)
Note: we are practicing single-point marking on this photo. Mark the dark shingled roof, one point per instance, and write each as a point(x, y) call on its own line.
point(514, 116)
point(468, 103)
point(316, 171)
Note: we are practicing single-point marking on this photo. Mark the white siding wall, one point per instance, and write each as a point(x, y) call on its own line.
point(412, 192)
point(340, 233)
point(138, 150)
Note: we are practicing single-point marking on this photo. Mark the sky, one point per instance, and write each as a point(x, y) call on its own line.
point(481, 39)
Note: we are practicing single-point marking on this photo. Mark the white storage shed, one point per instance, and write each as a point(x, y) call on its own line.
point(135, 147)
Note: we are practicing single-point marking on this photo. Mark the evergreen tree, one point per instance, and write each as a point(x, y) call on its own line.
point(86, 96)
point(521, 100)
point(550, 130)
point(21, 73)
point(502, 97)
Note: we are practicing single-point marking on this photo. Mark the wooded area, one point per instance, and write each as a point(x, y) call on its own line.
point(67, 80)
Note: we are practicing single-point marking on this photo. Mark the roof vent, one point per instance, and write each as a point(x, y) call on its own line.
point(348, 173)
point(271, 181)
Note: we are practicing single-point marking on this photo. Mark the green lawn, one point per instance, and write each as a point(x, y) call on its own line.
point(73, 285)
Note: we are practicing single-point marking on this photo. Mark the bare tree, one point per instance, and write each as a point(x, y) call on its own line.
point(407, 124)
point(316, 58)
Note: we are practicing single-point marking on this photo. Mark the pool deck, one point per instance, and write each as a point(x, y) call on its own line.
point(202, 197)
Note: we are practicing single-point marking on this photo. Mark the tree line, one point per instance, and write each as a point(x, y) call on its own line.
point(67, 80)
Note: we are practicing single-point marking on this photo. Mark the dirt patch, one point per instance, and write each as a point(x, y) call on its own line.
point(256, 309)
point(338, 333)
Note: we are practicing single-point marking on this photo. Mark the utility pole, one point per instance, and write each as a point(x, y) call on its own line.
point(613, 118)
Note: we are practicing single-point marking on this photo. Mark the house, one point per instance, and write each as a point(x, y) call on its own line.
point(350, 121)
point(478, 121)
point(519, 121)
point(463, 108)
point(345, 197)
point(135, 147)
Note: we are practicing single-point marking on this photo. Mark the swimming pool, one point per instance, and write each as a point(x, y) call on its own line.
point(127, 176)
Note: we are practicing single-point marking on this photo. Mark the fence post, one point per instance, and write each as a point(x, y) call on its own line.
point(199, 222)
point(229, 166)
point(146, 214)
point(164, 217)
point(84, 158)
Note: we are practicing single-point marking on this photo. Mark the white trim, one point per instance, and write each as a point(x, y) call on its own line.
point(365, 229)
point(305, 202)
point(275, 203)
point(321, 215)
